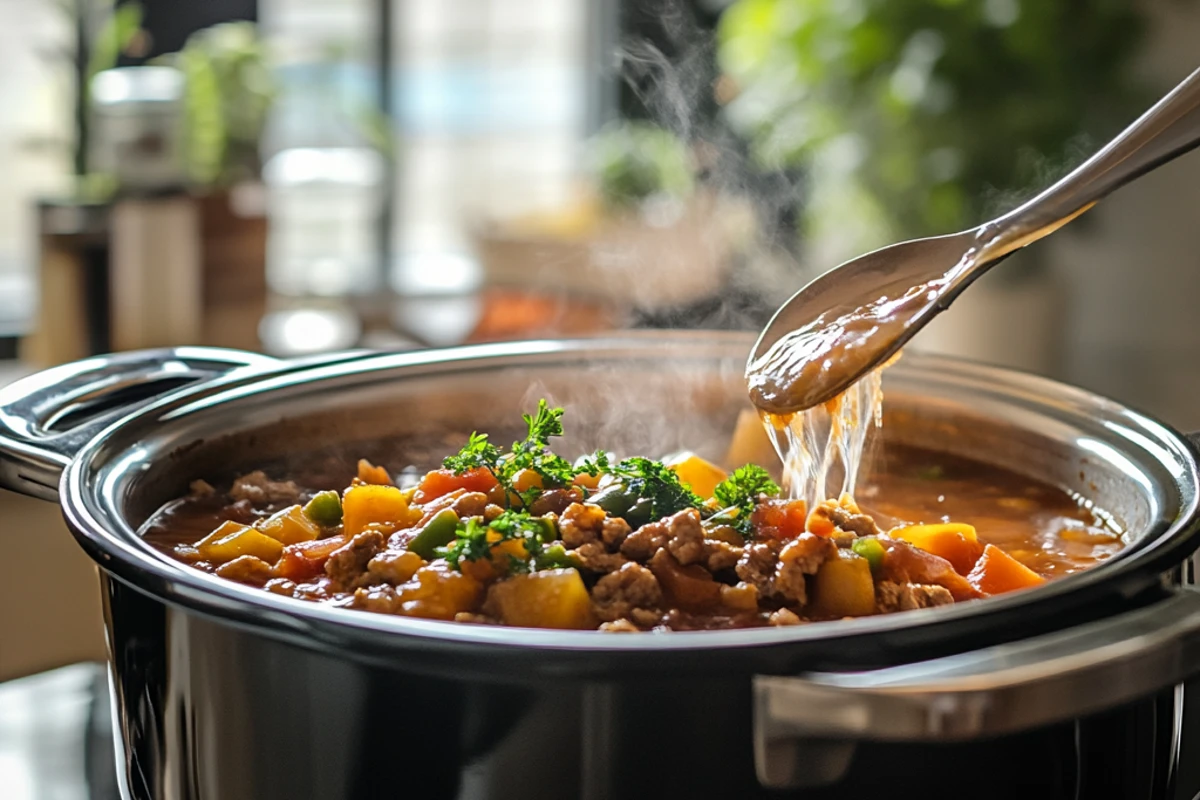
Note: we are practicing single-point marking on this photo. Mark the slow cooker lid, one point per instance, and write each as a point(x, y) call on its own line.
point(671, 391)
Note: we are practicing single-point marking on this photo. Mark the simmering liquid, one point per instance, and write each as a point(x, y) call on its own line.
point(1040, 525)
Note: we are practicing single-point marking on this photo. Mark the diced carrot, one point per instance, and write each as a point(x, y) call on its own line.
point(955, 542)
point(820, 524)
point(306, 560)
point(369, 473)
point(779, 519)
point(997, 572)
point(443, 481)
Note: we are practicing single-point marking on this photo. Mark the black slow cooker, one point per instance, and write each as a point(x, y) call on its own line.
point(1074, 689)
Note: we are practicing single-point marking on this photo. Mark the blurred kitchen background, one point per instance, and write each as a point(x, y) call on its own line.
point(299, 176)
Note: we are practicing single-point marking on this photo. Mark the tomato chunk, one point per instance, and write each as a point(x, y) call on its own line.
point(306, 560)
point(443, 481)
point(780, 519)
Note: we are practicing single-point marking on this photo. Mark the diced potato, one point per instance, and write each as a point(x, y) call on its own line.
point(843, 587)
point(364, 504)
point(439, 592)
point(691, 588)
point(232, 539)
point(743, 597)
point(289, 526)
point(749, 443)
point(954, 541)
point(700, 476)
point(997, 572)
point(508, 549)
point(553, 598)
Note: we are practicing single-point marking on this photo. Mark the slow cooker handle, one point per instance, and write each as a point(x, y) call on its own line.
point(806, 726)
point(47, 417)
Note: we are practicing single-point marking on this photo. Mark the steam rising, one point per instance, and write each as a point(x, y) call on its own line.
point(753, 218)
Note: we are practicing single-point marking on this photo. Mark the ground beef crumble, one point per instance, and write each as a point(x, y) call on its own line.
point(645, 541)
point(247, 569)
point(471, 504)
point(258, 489)
point(349, 562)
point(620, 593)
point(594, 557)
point(757, 566)
point(581, 523)
point(891, 596)
point(685, 537)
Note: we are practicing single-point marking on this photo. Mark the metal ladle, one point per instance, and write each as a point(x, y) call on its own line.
point(857, 316)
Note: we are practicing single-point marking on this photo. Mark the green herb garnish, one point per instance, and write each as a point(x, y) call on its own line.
point(657, 483)
point(739, 493)
point(532, 453)
point(478, 453)
point(644, 478)
point(536, 535)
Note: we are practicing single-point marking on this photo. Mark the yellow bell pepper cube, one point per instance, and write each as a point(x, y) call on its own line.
point(289, 526)
point(700, 476)
point(367, 503)
point(232, 539)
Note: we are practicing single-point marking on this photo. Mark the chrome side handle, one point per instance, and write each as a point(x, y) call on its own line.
point(47, 417)
point(805, 726)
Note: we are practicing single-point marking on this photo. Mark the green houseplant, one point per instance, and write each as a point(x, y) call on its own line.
point(920, 117)
point(228, 95)
point(917, 117)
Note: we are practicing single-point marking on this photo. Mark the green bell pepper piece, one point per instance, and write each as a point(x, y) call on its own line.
point(440, 531)
point(870, 549)
point(325, 509)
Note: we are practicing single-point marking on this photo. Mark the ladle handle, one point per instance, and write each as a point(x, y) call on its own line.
point(1169, 129)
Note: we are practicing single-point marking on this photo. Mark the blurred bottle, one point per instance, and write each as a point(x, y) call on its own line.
point(137, 127)
point(323, 203)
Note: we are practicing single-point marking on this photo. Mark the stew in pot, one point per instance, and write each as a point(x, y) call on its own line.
point(523, 537)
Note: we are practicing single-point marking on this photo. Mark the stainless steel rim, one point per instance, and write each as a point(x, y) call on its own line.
point(93, 513)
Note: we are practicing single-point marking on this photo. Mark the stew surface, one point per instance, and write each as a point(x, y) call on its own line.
point(522, 537)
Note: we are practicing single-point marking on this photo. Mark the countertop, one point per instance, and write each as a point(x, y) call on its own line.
point(56, 736)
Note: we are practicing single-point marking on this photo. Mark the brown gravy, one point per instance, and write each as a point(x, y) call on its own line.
point(814, 363)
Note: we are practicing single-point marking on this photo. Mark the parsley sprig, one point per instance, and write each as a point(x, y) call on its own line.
point(739, 493)
point(652, 480)
point(536, 534)
point(531, 453)
point(657, 483)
